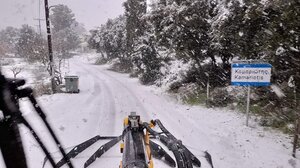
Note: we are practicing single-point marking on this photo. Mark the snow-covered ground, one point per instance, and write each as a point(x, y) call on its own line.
point(34, 73)
point(107, 97)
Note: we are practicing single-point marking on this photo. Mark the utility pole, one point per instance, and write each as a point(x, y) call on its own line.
point(53, 86)
point(39, 25)
point(39, 19)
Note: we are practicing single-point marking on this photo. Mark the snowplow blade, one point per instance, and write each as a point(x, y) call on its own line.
point(102, 150)
point(184, 157)
point(208, 158)
point(159, 153)
point(79, 148)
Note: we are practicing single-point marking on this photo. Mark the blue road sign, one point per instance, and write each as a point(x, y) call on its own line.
point(258, 74)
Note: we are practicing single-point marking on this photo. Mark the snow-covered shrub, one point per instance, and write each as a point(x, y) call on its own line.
point(173, 73)
point(150, 62)
point(191, 94)
point(101, 61)
point(220, 98)
point(42, 89)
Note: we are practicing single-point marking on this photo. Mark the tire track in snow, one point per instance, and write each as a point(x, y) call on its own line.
point(95, 93)
point(106, 124)
point(176, 125)
point(132, 97)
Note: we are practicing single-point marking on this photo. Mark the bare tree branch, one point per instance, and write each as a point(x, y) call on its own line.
point(16, 70)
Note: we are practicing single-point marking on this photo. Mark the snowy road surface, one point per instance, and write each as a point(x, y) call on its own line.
point(106, 97)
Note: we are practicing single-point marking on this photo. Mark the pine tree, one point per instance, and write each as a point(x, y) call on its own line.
point(110, 40)
point(283, 44)
point(65, 37)
point(62, 17)
point(134, 11)
point(229, 33)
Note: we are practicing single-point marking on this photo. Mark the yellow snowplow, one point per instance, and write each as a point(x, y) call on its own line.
point(138, 147)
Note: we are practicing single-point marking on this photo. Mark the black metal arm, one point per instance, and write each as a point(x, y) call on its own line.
point(10, 142)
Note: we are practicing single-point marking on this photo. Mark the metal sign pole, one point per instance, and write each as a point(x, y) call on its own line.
point(207, 93)
point(296, 137)
point(248, 105)
point(297, 124)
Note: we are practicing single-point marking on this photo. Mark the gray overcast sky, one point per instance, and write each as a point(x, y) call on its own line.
point(91, 13)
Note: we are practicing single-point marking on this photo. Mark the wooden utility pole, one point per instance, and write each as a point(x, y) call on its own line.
point(53, 86)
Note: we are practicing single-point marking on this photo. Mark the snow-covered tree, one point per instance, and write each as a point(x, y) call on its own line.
point(3, 49)
point(31, 45)
point(134, 11)
point(8, 38)
point(110, 40)
point(65, 30)
point(282, 43)
point(62, 17)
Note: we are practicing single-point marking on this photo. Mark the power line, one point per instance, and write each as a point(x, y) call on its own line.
point(39, 19)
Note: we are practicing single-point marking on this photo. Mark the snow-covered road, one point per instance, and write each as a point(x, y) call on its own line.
point(106, 97)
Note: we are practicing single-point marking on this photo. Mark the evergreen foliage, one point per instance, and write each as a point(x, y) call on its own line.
point(205, 36)
point(65, 36)
point(31, 45)
point(62, 17)
point(110, 40)
point(203, 31)
point(9, 38)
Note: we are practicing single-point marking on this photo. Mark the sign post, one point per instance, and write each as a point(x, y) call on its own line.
point(248, 105)
point(250, 73)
